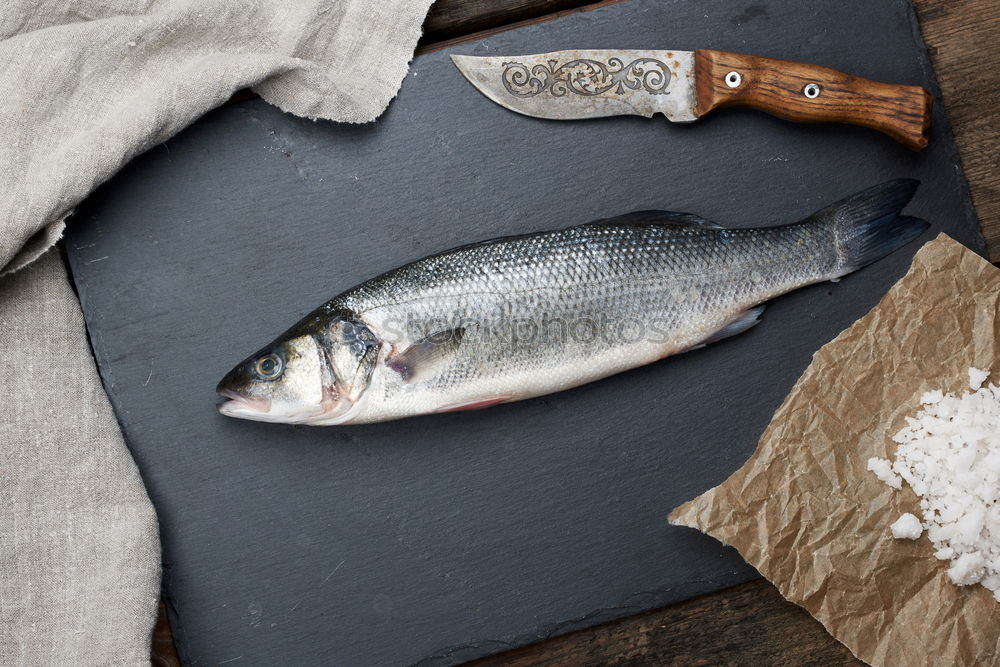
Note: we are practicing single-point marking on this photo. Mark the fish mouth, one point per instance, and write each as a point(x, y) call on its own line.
point(260, 409)
point(243, 407)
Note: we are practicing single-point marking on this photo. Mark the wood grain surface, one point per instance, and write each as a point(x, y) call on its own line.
point(450, 19)
point(748, 624)
point(751, 623)
point(781, 87)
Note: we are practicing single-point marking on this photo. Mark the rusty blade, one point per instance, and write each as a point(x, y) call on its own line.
point(568, 85)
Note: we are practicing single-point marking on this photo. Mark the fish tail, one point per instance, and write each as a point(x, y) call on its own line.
point(867, 226)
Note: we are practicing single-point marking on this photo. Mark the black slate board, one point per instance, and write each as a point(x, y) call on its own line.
point(448, 537)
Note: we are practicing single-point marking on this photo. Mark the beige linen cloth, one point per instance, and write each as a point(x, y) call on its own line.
point(85, 85)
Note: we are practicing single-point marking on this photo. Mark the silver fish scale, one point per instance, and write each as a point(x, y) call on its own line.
point(548, 311)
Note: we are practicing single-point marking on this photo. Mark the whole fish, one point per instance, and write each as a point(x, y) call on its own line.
point(523, 316)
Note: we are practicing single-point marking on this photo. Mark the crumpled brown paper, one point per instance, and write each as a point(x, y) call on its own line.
point(808, 515)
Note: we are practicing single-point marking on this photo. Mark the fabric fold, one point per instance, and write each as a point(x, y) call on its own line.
point(79, 549)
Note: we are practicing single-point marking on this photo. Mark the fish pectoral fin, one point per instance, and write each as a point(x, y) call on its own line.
point(428, 356)
point(667, 218)
point(743, 321)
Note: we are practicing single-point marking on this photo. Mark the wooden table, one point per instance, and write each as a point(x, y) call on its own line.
point(751, 623)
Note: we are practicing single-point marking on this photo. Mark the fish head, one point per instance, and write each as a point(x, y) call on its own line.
point(284, 382)
point(315, 377)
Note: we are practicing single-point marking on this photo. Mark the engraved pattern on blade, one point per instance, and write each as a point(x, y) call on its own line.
point(587, 77)
point(567, 85)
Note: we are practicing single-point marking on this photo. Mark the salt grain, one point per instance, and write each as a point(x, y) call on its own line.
point(949, 454)
point(883, 470)
point(932, 396)
point(976, 378)
point(967, 569)
point(907, 527)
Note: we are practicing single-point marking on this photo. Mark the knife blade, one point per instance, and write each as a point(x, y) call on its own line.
point(686, 85)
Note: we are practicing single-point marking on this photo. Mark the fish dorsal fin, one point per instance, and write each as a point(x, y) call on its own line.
point(428, 356)
point(668, 218)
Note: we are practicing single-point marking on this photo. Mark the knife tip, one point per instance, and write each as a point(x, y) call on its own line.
point(463, 63)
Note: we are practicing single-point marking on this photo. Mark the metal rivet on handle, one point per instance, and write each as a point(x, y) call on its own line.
point(733, 79)
point(811, 91)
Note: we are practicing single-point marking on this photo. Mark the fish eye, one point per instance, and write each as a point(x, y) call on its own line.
point(269, 367)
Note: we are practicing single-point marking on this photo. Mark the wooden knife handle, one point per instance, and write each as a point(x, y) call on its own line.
point(811, 94)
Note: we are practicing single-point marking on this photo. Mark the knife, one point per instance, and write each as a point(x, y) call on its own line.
point(686, 85)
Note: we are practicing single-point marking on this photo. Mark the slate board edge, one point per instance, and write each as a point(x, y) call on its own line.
point(635, 604)
point(940, 116)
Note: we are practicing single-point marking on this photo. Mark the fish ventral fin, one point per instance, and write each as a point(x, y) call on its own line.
point(427, 357)
point(665, 218)
point(743, 321)
point(475, 404)
point(867, 226)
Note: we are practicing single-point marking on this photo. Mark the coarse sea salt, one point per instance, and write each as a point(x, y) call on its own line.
point(907, 527)
point(949, 454)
